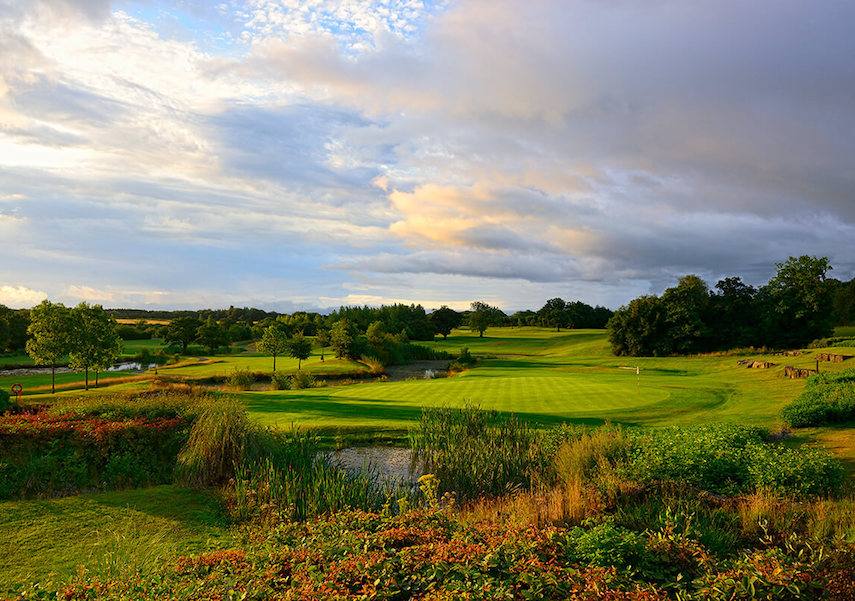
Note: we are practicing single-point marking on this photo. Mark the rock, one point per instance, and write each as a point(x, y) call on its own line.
point(834, 358)
point(797, 373)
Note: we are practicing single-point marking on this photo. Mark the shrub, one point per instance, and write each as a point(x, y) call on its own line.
point(49, 453)
point(828, 398)
point(5, 402)
point(302, 379)
point(240, 379)
point(796, 472)
point(280, 381)
point(721, 459)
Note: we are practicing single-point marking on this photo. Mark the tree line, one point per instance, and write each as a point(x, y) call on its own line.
point(798, 305)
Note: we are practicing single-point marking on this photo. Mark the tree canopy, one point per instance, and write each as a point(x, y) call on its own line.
point(793, 309)
point(50, 325)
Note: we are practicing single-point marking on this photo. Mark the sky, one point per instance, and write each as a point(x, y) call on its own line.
point(291, 154)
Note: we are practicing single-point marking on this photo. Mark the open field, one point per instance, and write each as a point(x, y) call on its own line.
point(102, 530)
point(548, 377)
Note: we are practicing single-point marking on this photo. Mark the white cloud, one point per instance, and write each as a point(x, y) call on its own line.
point(18, 297)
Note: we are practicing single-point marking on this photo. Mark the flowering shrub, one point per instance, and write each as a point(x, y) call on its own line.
point(433, 556)
point(53, 453)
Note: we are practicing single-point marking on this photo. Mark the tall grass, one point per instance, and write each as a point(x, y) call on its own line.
point(270, 475)
point(476, 452)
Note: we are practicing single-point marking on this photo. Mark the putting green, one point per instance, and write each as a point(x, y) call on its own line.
point(548, 377)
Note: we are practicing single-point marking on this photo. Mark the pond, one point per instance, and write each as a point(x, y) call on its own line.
point(394, 463)
point(45, 371)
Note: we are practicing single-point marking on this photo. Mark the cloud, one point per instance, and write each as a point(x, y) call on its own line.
point(217, 152)
point(20, 297)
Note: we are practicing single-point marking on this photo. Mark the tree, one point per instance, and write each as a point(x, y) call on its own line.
point(734, 316)
point(686, 309)
point(300, 348)
point(799, 302)
point(49, 331)
point(844, 303)
point(481, 316)
point(181, 331)
point(212, 335)
point(342, 338)
point(444, 320)
point(323, 340)
point(554, 314)
point(274, 341)
point(639, 329)
point(94, 343)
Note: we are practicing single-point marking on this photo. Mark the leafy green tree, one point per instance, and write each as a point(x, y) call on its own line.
point(481, 316)
point(844, 303)
point(444, 320)
point(94, 342)
point(799, 302)
point(734, 314)
point(49, 330)
point(181, 330)
point(322, 338)
point(343, 338)
point(300, 348)
point(639, 328)
point(274, 341)
point(212, 335)
point(686, 307)
point(554, 314)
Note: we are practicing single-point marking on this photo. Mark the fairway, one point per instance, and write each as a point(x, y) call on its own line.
point(548, 377)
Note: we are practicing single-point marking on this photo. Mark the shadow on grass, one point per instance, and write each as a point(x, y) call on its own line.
point(383, 411)
point(186, 506)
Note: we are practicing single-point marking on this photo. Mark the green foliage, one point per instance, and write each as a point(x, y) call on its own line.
point(554, 314)
point(828, 398)
point(93, 341)
point(50, 453)
point(49, 331)
point(212, 335)
point(301, 380)
point(240, 379)
point(475, 452)
point(280, 381)
point(274, 342)
point(300, 348)
point(604, 545)
point(721, 459)
point(481, 316)
point(5, 402)
point(794, 308)
point(181, 330)
point(796, 472)
point(343, 339)
point(444, 320)
point(800, 302)
point(434, 556)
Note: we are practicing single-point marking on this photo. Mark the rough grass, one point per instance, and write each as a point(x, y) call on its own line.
point(104, 531)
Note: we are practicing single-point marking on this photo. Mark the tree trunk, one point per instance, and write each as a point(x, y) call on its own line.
point(299, 363)
point(96, 378)
point(53, 378)
point(274, 362)
point(87, 378)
